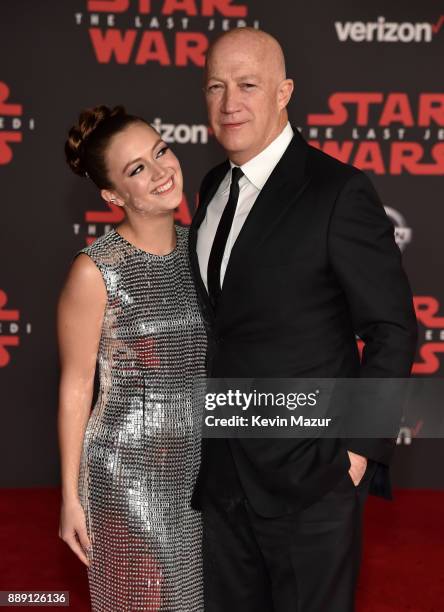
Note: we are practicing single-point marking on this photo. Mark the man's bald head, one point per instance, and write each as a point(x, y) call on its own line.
point(258, 42)
point(246, 91)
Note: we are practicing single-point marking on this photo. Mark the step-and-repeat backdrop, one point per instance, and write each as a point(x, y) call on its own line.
point(368, 90)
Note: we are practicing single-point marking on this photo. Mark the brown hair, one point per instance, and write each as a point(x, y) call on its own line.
point(89, 138)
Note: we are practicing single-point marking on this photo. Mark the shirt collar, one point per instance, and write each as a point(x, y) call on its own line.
point(258, 169)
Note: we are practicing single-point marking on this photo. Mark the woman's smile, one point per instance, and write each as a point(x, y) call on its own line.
point(165, 188)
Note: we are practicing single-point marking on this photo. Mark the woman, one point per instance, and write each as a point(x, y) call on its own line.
point(128, 468)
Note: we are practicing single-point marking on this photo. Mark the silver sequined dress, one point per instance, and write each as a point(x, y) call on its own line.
point(141, 448)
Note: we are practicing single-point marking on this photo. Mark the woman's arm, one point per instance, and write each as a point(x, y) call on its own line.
point(79, 323)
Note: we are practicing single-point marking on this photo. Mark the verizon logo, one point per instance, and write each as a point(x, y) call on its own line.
point(181, 133)
point(387, 31)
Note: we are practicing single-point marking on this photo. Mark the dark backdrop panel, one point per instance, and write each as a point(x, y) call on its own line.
point(59, 57)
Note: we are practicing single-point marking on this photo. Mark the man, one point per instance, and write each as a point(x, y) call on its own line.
point(293, 256)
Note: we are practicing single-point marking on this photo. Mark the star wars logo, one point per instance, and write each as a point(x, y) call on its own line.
point(165, 32)
point(99, 222)
point(10, 329)
point(431, 335)
point(385, 133)
point(12, 124)
point(431, 345)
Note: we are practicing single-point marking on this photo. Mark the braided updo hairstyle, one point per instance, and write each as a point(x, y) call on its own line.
point(89, 138)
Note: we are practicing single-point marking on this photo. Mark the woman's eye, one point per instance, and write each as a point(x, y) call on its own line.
point(136, 170)
point(162, 151)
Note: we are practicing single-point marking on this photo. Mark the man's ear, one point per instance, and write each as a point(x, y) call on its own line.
point(284, 93)
point(111, 197)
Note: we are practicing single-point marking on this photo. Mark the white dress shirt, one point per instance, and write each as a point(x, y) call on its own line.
point(256, 173)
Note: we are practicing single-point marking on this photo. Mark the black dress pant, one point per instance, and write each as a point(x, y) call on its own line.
point(302, 562)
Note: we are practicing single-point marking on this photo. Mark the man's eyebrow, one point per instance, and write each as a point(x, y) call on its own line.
point(139, 158)
point(248, 77)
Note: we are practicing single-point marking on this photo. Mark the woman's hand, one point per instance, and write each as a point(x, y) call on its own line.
point(72, 529)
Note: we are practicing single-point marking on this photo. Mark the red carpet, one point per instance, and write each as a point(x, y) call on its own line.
point(403, 565)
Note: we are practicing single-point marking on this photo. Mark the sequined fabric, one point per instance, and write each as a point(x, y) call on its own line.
point(141, 448)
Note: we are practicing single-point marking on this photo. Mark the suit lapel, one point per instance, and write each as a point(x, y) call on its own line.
point(285, 184)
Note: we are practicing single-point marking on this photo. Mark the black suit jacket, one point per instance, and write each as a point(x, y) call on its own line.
point(315, 264)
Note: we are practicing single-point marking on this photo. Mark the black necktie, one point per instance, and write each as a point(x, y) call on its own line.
point(220, 239)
